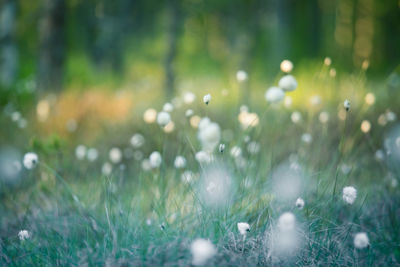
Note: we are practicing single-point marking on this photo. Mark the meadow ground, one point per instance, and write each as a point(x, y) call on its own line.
point(312, 177)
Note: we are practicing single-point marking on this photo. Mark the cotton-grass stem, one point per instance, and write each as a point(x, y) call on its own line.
point(340, 155)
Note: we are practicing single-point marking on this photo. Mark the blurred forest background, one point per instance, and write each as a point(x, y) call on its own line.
point(59, 44)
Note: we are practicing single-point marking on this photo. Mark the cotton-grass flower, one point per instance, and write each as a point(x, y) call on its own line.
point(346, 105)
point(361, 240)
point(286, 66)
point(80, 152)
point(137, 140)
point(155, 159)
point(106, 169)
point(168, 107)
point(23, 235)
point(92, 154)
point(189, 97)
point(202, 250)
point(253, 147)
point(207, 99)
point(30, 160)
point(370, 99)
point(203, 157)
point(163, 118)
point(274, 94)
point(189, 113)
point(243, 228)
point(306, 138)
point(221, 148)
point(115, 155)
point(295, 117)
point(288, 83)
point(327, 61)
point(209, 134)
point(300, 203)
point(365, 126)
point(349, 194)
point(241, 76)
point(286, 222)
point(180, 162)
point(150, 115)
point(323, 117)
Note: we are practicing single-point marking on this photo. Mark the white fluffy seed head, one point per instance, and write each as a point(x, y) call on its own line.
point(286, 222)
point(209, 134)
point(188, 97)
point(349, 194)
point(155, 159)
point(287, 83)
point(361, 240)
point(115, 155)
point(202, 250)
point(241, 76)
point(137, 140)
point(30, 160)
point(203, 157)
point(106, 169)
point(274, 95)
point(23, 235)
point(163, 118)
point(221, 148)
point(243, 228)
point(180, 162)
point(346, 105)
point(80, 152)
point(286, 66)
point(207, 99)
point(300, 203)
point(168, 107)
point(92, 154)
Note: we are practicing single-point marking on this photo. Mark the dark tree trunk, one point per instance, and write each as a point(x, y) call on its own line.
point(8, 49)
point(172, 43)
point(52, 45)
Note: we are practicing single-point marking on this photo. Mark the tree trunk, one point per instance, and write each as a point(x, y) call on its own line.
point(52, 45)
point(172, 43)
point(8, 50)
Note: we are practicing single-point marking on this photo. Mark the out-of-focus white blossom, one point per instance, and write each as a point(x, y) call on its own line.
point(23, 235)
point(253, 147)
point(150, 115)
point(202, 250)
point(287, 83)
point(180, 162)
point(274, 95)
point(349, 194)
point(324, 117)
point(296, 117)
point(286, 66)
point(189, 97)
point(168, 107)
point(203, 157)
point(80, 152)
point(241, 76)
point(236, 151)
point(243, 228)
point(30, 160)
point(115, 155)
point(155, 159)
point(306, 138)
point(106, 169)
point(346, 105)
point(189, 113)
point(92, 154)
point(300, 203)
point(221, 148)
point(361, 240)
point(209, 134)
point(286, 222)
point(137, 140)
point(207, 99)
point(163, 118)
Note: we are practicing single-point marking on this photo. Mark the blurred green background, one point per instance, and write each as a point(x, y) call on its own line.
point(151, 44)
